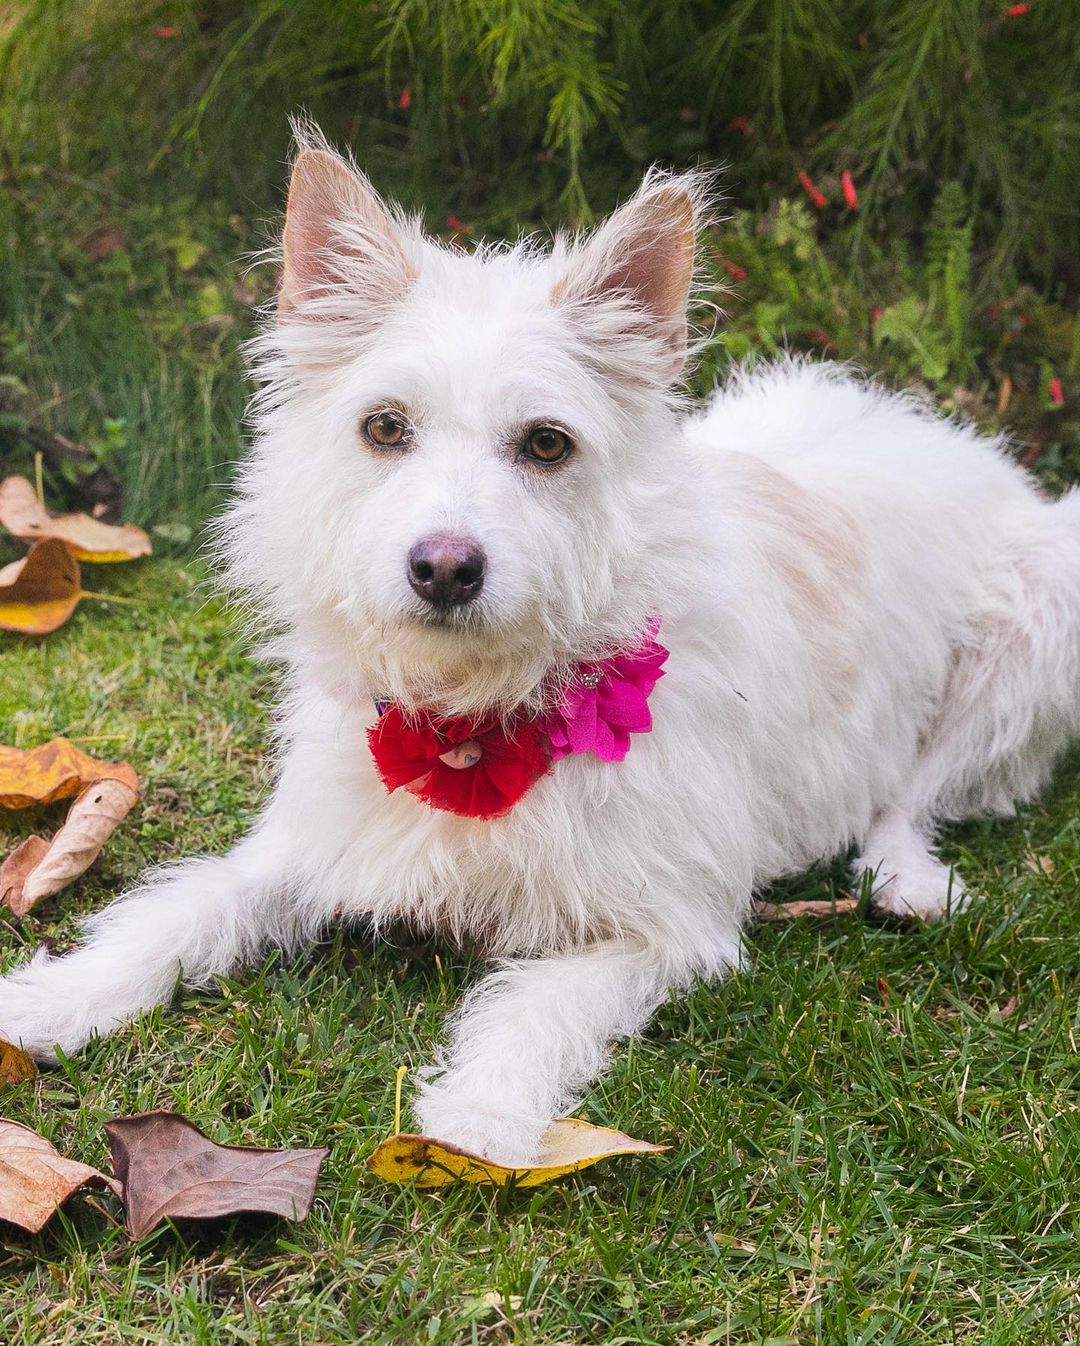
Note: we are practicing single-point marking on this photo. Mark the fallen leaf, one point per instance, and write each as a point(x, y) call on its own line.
point(35, 871)
point(15, 1064)
point(102, 244)
point(35, 1178)
point(22, 513)
point(170, 1170)
point(52, 771)
point(789, 911)
point(569, 1145)
point(17, 868)
point(43, 592)
point(1039, 864)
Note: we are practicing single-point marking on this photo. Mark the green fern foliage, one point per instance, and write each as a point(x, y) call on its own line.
point(551, 106)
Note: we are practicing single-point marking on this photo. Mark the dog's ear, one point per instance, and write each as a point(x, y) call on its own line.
point(643, 253)
point(337, 233)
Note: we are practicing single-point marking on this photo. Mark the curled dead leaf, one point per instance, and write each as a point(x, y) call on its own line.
point(170, 1170)
point(788, 911)
point(52, 771)
point(23, 514)
point(15, 1064)
point(38, 869)
point(569, 1145)
point(35, 1178)
point(40, 592)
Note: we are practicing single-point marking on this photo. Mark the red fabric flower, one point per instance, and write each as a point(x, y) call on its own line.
point(408, 751)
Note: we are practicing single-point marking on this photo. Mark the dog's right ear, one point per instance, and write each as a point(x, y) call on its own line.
point(339, 238)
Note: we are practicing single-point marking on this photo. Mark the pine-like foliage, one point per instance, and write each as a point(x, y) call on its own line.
point(553, 105)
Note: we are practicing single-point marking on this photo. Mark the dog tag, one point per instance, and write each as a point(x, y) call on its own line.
point(464, 755)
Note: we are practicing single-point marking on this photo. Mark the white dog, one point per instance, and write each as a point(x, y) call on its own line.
point(473, 494)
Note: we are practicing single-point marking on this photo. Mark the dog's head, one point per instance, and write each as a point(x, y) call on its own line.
point(463, 460)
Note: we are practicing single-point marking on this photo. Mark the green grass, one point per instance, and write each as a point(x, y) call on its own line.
point(863, 1149)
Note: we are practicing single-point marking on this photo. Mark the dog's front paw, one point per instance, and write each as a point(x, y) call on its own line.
point(505, 1135)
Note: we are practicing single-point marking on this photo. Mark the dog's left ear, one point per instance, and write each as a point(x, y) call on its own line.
point(643, 253)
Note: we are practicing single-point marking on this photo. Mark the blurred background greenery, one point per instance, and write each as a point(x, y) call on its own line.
point(900, 190)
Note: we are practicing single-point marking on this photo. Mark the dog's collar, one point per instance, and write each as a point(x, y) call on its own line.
point(480, 766)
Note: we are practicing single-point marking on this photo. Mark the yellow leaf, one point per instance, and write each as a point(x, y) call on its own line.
point(55, 770)
point(24, 515)
point(569, 1145)
point(43, 592)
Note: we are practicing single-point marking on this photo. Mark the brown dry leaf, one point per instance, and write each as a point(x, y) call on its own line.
point(52, 771)
point(41, 591)
point(104, 242)
point(15, 1064)
point(789, 911)
point(18, 867)
point(35, 1178)
point(569, 1144)
point(170, 1170)
point(34, 871)
point(22, 513)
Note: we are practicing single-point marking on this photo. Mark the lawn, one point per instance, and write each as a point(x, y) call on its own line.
point(874, 1132)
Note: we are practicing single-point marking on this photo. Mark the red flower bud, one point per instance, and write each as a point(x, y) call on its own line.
point(816, 198)
point(851, 196)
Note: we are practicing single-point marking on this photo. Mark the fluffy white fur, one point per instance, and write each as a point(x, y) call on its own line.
point(873, 618)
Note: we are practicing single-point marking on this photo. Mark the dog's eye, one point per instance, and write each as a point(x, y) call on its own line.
point(545, 444)
point(387, 429)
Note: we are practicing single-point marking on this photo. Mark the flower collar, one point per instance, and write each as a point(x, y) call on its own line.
point(480, 766)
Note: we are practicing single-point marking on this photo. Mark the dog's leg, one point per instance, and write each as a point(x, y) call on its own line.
point(909, 881)
point(530, 1039)
point(1010, 709)
point(196, 920)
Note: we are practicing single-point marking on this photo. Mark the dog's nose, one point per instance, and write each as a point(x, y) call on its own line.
point(447, 571)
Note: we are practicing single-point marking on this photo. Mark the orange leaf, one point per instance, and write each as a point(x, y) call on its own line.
point(55, 770)
point(44, 591)
point(38, 869)
point(15, 1064)
point(22, 513)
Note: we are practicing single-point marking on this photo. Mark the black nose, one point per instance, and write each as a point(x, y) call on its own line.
point(447, 571)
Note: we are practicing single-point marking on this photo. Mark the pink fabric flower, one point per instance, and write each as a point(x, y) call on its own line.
point(607, 702)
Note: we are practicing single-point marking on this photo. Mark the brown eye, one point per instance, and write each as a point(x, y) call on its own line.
point(545, 444)
point(387, 429)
